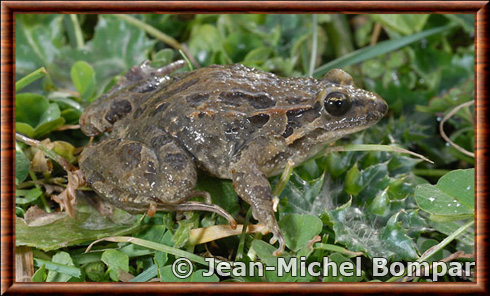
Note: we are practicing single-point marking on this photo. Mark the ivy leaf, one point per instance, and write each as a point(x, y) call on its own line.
point(397, 240)
point(303, 197)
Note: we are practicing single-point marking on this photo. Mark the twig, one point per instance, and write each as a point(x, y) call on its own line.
point(51, 154)
point(443, 134)
point(376, 32)
point(367, 147)
point(453, 256)
point(157, 34)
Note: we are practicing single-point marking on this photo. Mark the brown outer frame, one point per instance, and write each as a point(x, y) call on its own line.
point(10, 8)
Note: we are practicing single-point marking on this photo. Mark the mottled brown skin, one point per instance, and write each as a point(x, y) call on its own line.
point(231, 121)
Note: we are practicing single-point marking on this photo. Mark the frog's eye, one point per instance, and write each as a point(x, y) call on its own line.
point(337, 103)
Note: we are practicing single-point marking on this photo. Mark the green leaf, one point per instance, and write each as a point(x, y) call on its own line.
point(427, 244)
point(29, 196)
point(397, 240)
point(405, 24)
point(50, 114)
point(22, 164)
point(115, 261)
point(373, 238)
point(452, 197)
point(83, 77)
point(449, 227)
point(163, 57)
point(38, 41)
point(34, 110)
point(265, 251)
point(384, 47)
point(467, 21)
point(62, 258)
point(299, 230)
point(181, 235)
point(115, 47)
point(148, 274)
point(222, 193)
point(353, 182)
point(40, 275)
point(339, 259)
point(257, 55)
point(64, 269)
point(197, 276)
point(58, 230)
point(30, 78)
point(29, 108)
point(95, 271)
point(238, 44)
point(204, 40)
point(47, 127)
point(25, 129)
point(303, 197)
point(380, 204)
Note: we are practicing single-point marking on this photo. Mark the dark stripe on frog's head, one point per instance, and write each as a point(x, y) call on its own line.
point(238, 98)
point(298, 118)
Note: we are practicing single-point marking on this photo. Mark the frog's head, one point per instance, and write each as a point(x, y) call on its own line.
point(345, 108)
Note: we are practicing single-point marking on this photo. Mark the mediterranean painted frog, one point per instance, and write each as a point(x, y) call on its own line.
point(231, 121)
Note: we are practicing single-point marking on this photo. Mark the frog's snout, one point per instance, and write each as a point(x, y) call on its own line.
point(381, 106)
point(377, 109)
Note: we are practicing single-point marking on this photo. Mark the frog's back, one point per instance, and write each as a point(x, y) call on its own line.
point(214, 112)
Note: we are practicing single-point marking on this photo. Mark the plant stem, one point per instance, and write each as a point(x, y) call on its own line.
point(30, 78)
point(430, 172)
point(157, 34)
point(241, 245)
point(368, 147)
point(286, 174)
point(314, 45)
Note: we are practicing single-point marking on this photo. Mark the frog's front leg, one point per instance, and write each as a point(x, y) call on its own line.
point(252, 185)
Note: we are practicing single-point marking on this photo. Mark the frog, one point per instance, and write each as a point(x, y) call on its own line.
point(229, 121)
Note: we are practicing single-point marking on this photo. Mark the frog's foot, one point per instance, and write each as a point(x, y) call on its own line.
point(144, 70)
point(168, 69)
point(198, 206)
point(271, 226)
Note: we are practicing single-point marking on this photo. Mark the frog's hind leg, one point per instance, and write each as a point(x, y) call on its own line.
point(145, 177)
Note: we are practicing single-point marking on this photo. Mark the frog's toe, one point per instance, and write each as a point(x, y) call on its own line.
point(276, 234)
point(282, 244)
